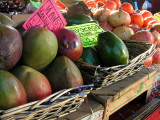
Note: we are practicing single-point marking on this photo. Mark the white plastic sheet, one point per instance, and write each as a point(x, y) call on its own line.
point(146, 5)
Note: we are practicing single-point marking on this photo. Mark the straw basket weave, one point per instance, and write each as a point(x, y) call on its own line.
point(105, 76)
point(55, 106)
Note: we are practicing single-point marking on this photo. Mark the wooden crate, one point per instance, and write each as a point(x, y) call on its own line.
point(120, 93)
point(150, 111)
point(89, 110)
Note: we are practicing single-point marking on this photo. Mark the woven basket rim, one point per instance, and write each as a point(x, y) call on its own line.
point(119, 69)
point(35, 105)
point(153, 46)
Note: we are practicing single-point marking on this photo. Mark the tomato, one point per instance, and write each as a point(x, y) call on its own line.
point(91, 4)
point(86, 0)
point(147, 20)
point(157, 27)
point(118, 2)
point(101, 1)
point(156, 57)
point(111, 5)
point(145, 13)
point(60, 5)
point(151, 23)
point(148, 62)
point(138, 19)
point(127, 7)
point(100, 4)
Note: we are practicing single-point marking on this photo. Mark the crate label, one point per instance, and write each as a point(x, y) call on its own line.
point(47, 15)
point(88, 33)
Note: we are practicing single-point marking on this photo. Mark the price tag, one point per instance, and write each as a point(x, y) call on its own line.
point(47, 15)
point(88, 33)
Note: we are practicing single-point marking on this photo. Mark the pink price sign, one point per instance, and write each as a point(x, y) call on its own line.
point(47, 15)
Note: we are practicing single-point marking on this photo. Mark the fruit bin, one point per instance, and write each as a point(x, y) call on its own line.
point(104, 76)
point(54, 106)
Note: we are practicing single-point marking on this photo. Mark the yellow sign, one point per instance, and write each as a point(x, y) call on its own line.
point(157, 17)
point(88, 33)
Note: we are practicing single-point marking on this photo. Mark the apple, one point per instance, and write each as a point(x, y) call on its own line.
point(156, 57)
point(157, 27)
point(134, 27)
point(148, 62)
point(69, 43)
point(106, 26)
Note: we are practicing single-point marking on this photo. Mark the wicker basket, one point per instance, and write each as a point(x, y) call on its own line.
point(55, 106)
point(105, 76)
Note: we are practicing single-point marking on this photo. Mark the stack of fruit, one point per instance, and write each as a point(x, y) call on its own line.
point(124, 22)
point(11, 7)
point(36, 64)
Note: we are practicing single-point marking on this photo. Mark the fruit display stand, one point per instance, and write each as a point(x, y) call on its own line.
point(117, 95)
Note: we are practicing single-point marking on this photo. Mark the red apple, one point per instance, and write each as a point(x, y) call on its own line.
point(69, 43)
point(134, 27)
point(106, 26)
point(156, 57)
point(148, 62)
point(157, 27)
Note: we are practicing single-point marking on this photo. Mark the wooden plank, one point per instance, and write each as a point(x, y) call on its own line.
point(121, 85)
point(148, 95)
point(122, 92)
point(85, 111)
point(20, 17)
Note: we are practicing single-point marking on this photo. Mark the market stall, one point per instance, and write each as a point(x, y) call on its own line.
point(75, 59)
point(115, 96)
